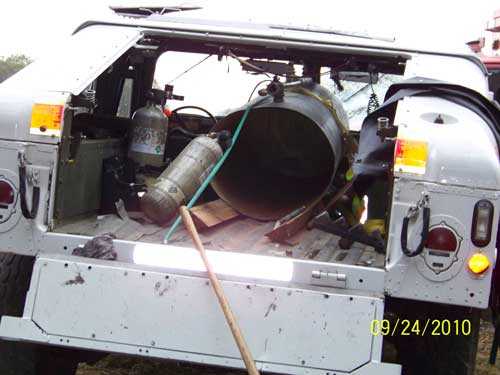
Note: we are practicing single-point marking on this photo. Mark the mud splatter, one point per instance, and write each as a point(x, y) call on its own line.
point(272, 307)
point(76, 281)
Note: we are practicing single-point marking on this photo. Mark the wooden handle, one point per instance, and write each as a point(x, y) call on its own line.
point(226, 309)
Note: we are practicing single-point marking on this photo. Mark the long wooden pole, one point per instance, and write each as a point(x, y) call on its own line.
point(226, 309)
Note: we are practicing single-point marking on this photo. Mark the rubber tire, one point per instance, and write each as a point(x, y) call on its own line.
point(436, 355)
point(18, 358)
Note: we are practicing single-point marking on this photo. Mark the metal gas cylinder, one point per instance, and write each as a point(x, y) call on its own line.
point(178, 183)
point(148, 135)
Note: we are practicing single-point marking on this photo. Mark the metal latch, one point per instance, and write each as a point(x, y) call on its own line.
point(332, 279)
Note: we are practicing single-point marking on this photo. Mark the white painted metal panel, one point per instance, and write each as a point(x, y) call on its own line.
point(113, 305)
point(74, 64)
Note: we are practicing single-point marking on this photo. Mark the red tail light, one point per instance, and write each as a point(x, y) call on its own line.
point(442, 238)
point(6, 193)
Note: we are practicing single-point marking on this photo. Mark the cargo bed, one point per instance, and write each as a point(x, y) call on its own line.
point(243, 235)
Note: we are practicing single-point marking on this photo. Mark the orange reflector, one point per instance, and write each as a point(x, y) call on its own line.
point(478, 263)
point(410, 156)
point(46, 119)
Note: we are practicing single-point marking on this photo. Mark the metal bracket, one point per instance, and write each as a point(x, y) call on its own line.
point(422, 203)
point(33, 177)
point(331, 279)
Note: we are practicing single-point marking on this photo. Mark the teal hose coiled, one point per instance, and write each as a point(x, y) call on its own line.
point(212, 174)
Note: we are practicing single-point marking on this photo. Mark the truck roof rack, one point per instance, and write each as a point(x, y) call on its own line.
point(145, 11)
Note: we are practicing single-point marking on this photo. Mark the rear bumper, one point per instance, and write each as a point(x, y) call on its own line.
point(123, 308)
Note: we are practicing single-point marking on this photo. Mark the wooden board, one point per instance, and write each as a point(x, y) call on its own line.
point(210, 214)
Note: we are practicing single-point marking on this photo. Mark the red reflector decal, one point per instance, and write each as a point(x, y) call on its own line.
point(6, 193)
point(442, 238)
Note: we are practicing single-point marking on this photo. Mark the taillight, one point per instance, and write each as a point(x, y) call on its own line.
point(410, 156)
point(6, 194)
point(441, 238)
point(482, 223)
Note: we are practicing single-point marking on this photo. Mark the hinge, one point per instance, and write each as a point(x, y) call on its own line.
point(331, 279)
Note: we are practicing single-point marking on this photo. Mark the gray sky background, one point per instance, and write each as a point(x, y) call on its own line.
point(27, 26)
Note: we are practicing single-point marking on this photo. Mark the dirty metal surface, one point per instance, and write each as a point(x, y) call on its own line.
point(117, 308)
point(240, 234)
point(123, 228)
point(424, 277)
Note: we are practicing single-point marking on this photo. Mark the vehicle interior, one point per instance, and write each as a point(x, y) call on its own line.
point(287, 187)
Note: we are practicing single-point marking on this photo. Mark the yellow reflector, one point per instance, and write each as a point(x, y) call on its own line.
point(478, 263)
point(371, 225)
point(46, 119)
point(410, 156)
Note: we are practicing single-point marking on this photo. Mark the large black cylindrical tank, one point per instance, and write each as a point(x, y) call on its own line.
point(287, 154)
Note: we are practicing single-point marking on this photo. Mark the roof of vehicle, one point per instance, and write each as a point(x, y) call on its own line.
point(196, 20)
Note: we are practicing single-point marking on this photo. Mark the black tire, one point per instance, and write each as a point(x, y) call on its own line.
point(437, 355)
point(20, 358)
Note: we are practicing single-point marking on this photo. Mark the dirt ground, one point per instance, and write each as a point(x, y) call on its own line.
point(121, 365)
point(485, 338)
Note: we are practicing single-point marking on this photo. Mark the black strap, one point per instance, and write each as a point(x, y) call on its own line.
point(28, 214)
point(425, 232)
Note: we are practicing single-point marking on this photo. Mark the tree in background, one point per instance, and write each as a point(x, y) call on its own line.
point(12, 64)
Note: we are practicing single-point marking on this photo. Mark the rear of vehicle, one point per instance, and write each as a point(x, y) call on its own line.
point(306, 305)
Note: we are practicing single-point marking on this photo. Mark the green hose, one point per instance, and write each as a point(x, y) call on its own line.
point(212, 174)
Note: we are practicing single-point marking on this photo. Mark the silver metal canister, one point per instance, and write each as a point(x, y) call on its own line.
point(178, 183)
point(148, 135)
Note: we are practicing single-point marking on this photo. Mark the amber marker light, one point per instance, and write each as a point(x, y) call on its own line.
point(478, 263)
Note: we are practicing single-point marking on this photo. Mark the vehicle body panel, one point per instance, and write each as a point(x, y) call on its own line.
point(123, 308)
point(462, 167)
point(72, 65)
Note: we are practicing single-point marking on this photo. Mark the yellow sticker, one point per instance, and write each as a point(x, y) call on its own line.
point(46, 119)
point(410, 156)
